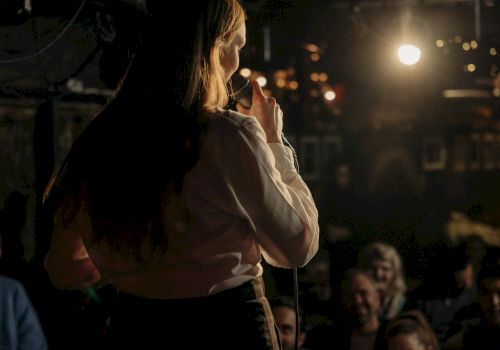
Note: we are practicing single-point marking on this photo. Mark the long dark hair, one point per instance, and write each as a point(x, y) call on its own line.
point(126, 169)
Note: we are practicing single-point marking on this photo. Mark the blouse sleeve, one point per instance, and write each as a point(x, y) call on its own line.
point(274, 197)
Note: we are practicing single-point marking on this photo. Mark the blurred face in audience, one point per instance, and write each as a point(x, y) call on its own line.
point(406, 342)
point(383, 272)
point(465, 278)
point(284, 317)
point(489, 299)
point(362, 300)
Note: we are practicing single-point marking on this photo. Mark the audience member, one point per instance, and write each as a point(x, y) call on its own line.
point(357, 325)
point(284, 311)
point(12, 222)
point(409, 330)
point(315, 290)
point(484, 331)
point(383, 262)
point(20, 327)
point(447, 294)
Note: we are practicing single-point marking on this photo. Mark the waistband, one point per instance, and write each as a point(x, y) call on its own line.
point(247, 291)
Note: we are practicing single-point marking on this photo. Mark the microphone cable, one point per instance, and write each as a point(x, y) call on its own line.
point(295, 273)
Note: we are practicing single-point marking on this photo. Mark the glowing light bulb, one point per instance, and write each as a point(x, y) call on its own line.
point(262, 81)
point(409, 54)
point(330, 95)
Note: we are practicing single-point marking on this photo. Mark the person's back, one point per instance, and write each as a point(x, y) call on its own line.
point(222, 211)
point(484, 331)
point(20, 328)
point(447, 295)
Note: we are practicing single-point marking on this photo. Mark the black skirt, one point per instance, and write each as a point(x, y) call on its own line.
point(238, 318)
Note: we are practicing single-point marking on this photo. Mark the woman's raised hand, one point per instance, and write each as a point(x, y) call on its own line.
point(267, 112)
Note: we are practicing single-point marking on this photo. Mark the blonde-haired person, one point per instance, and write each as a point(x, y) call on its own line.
point(174, 199)
point(383, 262)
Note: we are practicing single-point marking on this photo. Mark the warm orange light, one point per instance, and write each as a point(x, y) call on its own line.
point(293, 85)
point(312, 48)
point(281, 83)
point(315, 57)
point(246, 72)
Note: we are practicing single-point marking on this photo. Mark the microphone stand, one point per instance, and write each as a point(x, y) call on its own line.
point(295, 274)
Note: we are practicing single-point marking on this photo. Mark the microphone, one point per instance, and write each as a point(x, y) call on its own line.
point(241, 91)
point(294, 154)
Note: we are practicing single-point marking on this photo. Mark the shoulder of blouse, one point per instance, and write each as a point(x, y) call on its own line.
point(234, 117)
point(231, 121)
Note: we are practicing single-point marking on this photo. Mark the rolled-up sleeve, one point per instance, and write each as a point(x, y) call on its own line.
point(277, 202)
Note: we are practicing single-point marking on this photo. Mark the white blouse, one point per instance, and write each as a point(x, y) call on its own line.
point(245, 200)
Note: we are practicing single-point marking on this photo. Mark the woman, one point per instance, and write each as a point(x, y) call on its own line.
point(384, 263)
point(177, 218)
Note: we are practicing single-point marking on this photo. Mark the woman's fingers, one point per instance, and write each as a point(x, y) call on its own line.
point(257, 90)
point(267, 112)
